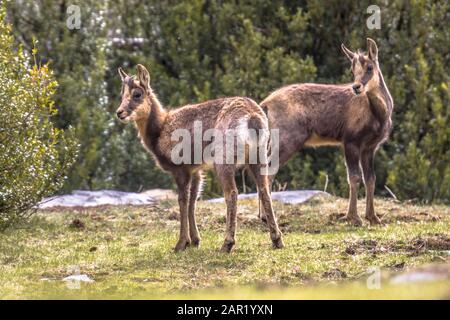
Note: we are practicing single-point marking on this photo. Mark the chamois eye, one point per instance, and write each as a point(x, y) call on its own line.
point(137, 95)
point(369, 68)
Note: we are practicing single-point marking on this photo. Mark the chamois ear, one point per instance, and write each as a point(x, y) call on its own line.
point(122, 73)
point(143, 76)
point(372, 49)
point(347, 52)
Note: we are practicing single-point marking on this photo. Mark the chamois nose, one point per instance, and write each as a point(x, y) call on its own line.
point(119, 113)
point(357, 88)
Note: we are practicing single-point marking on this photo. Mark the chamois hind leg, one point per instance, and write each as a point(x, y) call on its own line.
point(262, 181)
point(225, 173)
point(194, 193)
point(367, 159)
point(183, 181)
point(351, 153)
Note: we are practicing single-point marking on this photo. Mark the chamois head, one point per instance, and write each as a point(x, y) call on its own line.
point(365, 67)
point(136, 92)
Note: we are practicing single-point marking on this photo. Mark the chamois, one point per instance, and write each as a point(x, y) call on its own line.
point(156, 127)
point(356, 116)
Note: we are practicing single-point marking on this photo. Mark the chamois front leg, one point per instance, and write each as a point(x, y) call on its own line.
point(351, 153)
point(195, 188)
point(225, 173)
point(367, 159)
point(183, 181)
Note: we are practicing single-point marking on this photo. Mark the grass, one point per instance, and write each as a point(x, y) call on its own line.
point(128, 252)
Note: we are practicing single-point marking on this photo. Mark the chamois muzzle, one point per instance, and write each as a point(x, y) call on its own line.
point(121, 114)
point(357, 88)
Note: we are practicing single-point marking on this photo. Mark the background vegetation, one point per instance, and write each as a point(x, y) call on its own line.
point(202, 49)
point(34, 155)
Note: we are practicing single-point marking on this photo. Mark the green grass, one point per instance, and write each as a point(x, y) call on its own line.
point(128, 252)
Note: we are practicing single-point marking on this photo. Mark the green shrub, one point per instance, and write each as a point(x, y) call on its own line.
point(34, 156)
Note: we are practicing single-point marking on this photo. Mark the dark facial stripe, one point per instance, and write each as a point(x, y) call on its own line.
point(366, 78)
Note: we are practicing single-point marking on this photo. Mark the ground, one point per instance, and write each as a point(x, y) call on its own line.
point(127, 251)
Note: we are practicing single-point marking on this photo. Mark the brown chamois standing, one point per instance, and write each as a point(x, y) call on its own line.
point(355, 116)
point(156, 127)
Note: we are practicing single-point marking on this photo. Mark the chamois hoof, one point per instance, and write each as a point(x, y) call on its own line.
point(227, 246)
point(374, 220)
point(353, 220)
point(263, 218)
point(278, 243)
point(181, 245)
point(195, 242)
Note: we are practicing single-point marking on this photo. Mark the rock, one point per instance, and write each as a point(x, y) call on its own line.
point(161, 194)
point(80, 198)
point(416, 277)
point(430, 272)
point(78, 278)
point(289, 197)
point(83, 198)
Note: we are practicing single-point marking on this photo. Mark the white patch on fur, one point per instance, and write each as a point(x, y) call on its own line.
point(201, 186)
point(242, 129)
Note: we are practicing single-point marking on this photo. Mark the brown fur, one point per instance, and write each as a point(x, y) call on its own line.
point(355, 116)
point(156, 125)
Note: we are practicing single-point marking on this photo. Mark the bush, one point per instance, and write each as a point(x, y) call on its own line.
point(34, 156)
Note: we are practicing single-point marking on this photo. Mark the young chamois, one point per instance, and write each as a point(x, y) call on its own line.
point(157, 128)
point(355, 116)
